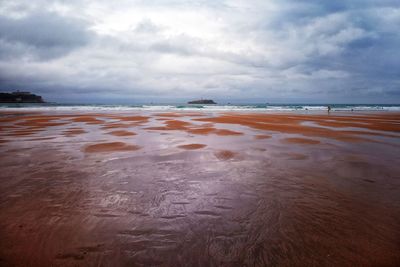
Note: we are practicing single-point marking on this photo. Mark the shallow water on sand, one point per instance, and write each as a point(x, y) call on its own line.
point(198, 190)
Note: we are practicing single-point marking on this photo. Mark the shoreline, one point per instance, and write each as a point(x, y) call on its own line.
point(176, 107)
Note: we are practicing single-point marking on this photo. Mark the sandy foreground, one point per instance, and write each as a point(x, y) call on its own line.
point(199, 189)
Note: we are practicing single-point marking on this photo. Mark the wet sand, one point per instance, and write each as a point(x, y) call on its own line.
point(199, 189)
point(296, 140)
point(192, 146)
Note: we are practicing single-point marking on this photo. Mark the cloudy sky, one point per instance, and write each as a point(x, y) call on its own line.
point(269, 50)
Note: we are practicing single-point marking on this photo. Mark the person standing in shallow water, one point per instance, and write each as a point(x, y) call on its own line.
point(329, 109)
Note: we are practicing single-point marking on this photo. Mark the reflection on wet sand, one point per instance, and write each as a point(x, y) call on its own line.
point(197, 189)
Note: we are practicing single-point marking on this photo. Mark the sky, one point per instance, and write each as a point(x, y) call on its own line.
point(292, 51)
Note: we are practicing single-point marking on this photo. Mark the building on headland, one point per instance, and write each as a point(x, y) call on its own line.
point(20, 97)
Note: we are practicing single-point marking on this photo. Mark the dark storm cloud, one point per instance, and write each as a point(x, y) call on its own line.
point(44, 34)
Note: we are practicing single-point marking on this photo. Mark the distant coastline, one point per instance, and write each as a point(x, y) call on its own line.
point(203, 101)
point(20, 97)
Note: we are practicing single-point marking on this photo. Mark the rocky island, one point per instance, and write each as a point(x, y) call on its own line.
point(20, 97)
point(202, 101)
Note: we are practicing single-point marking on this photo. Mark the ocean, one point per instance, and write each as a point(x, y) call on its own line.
point(180, 106)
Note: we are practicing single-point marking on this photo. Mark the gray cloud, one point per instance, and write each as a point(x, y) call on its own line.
point(45, 35)
point(315, 50)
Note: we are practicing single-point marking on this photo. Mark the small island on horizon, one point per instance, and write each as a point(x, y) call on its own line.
point(20, 97)
point(203, 101)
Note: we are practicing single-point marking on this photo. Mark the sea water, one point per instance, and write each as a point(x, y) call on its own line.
point(188, 107)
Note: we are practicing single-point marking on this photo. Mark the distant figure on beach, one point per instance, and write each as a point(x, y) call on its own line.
point(329, 109)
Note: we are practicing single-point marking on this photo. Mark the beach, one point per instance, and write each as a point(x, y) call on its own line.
point(199, 188)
